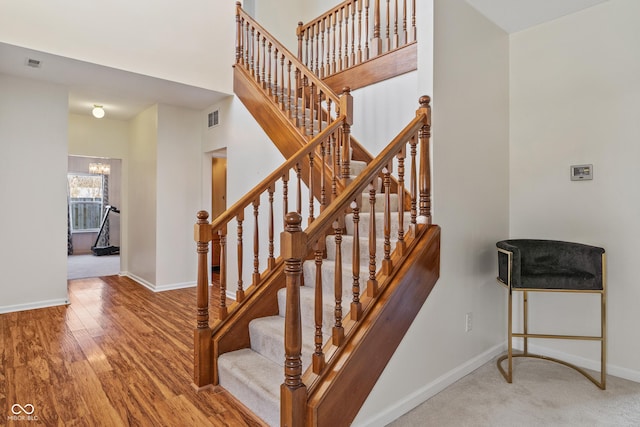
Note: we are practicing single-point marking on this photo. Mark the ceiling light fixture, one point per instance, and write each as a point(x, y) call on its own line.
point(98, 111)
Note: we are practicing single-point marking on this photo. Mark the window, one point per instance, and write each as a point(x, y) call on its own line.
point(85, 203)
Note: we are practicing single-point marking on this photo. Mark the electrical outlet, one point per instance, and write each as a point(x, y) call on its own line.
point(468, 322)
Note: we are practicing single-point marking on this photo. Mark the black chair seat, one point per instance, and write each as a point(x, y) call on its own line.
point(543, 276)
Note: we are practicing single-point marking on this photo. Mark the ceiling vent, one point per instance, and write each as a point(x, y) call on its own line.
point(214, 118)
point(33, 63)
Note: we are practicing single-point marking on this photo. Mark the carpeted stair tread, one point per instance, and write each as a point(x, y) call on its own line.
point(254, 380)
point(267, 338)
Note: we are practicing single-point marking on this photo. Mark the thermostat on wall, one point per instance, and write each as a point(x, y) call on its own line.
point(581, 172)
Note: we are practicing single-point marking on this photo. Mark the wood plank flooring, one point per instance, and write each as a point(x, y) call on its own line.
point(118, 355)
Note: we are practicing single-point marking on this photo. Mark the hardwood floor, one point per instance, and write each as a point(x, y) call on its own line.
point(118, 355)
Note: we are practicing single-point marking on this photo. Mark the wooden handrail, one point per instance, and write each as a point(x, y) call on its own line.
point(339, 38)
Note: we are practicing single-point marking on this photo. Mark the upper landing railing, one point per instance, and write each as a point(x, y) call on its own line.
point(355, 31)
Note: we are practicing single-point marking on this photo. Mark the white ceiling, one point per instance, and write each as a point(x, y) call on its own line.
point(517, 15)
point(122, 94)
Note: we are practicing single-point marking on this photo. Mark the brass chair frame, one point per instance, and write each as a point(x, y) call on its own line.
point(508, 374)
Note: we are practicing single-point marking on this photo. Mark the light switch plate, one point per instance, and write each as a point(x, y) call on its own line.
point(581, 172)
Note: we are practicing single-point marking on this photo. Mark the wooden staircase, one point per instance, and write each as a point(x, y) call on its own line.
point(306, 341)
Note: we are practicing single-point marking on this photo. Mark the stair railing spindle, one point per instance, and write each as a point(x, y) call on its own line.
point(356, 305)
point(372, 284)
point(388, 26)
point(256, 244)
point(318, 359)
point(359, 31)
point(425, 168)
point(353, 34)
point(271, 261)
point(414, 182)
point(311, 189)
point(222, 308)
point(240, 289)
point(299, 188)
point(338, 329)
point(400, 245)
point(386, 261)
point(366, 30)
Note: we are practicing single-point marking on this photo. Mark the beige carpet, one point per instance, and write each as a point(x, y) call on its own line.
point(81, 266)
point(542, 394)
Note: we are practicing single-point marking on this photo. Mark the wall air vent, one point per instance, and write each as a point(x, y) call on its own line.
point(33, 63)
point(214, 118)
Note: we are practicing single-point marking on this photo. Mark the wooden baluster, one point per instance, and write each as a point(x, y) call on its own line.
point(306, 48)
point(256, 244)
point(346, 107)
point(346, 62)
point(334, 21)
point(413, 21)
point(304, 95)
point(322, 49)
point(282, 93)
point(285, 194)
point(240, 289)
point(386, 261)
point(414, 183)
point(238, 34)
point(396, 40)
point(253, 49)
point(338, 329)
point(311, 188)
point(366, 30)
point(336, 165)
point(324, 70)
point(293, 392)
point(425, 167)
point(318, 360)
point(312, 108)
point(289, 89)
point(271, 261)
point(340, 25)
point(400, 245)
point(353, 34)
point(264, 63)
point(356, 305)
point(405, 35)
point(329, 107)
point(372, 284)
point(247, 47)
point(299, 188)
point(275, 76)
point(202, 374)
point(359, 31)
point(296, 113)
point(317, 52)
point(257, 67)
point(323, 177)
point(269, 84)
point(377, 40)
point(222, 309)
point(388, 26)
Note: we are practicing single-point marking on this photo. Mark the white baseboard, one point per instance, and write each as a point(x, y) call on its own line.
point(594, 365)
point(157, 288)
point(33, 305)
point(423, 394)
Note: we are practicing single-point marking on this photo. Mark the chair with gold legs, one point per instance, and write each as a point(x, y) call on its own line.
point(528, 265)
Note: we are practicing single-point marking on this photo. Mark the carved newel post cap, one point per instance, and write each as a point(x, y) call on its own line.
point(203, 215)
point(346, 90)
point(424, 100)
point(292, 222)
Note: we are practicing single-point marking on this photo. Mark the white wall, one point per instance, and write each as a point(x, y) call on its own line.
point(178, 199)
point(574, 92)
point(186, 42)
point(470, 203)
point(142, 203)
point(33, 126)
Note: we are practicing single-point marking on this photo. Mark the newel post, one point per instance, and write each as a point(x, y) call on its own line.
point(300, 33)
point(293, 393)
point(202, 334)
point(424, 136)
point(346, 108)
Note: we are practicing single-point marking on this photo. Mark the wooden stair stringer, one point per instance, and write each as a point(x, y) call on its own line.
point(336, 396)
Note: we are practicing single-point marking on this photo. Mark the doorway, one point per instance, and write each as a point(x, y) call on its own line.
point(94, 185)
point(218, 203)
